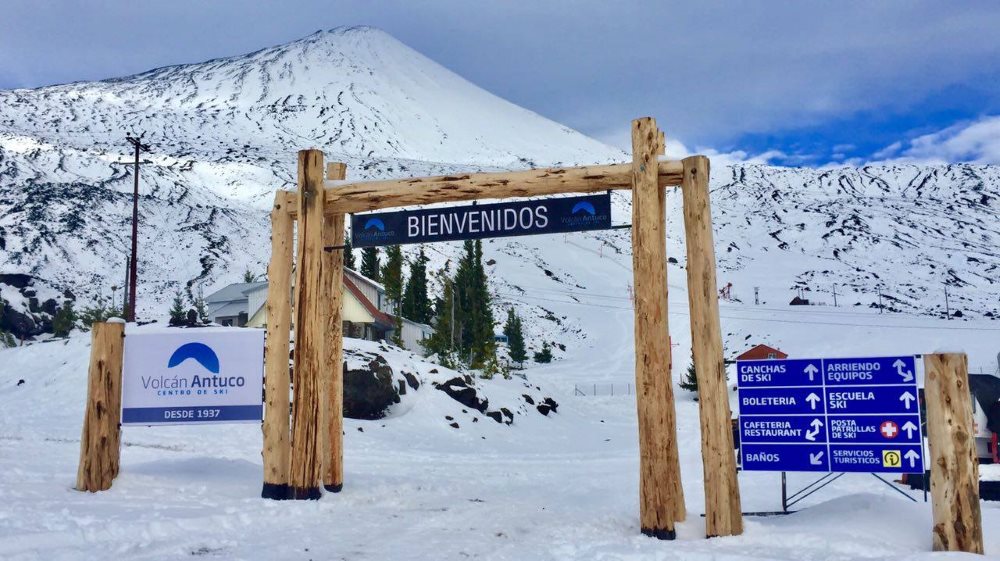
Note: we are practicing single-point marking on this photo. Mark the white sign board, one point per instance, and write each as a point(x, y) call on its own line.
point(193, 376)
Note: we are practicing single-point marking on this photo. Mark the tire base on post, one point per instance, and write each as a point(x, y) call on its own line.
point(334, 488)
point(660, 534)
point(274, 491)
point(304, 493)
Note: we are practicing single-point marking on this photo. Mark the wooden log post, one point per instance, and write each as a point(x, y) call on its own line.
point(661, 501)
point(101, 438)
point(958, 524)
point(306, 458)
point(276, 450)
point(374, 195)
point(331, 298)
point(722, 493)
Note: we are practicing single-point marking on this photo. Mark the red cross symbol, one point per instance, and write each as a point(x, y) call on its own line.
point(889, 429)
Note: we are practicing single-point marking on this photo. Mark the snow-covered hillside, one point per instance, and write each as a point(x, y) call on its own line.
point(224, 134)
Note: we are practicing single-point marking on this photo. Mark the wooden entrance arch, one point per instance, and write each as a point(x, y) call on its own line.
point(300, 456)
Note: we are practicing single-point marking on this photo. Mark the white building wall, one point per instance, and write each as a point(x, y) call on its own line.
point(413, 334)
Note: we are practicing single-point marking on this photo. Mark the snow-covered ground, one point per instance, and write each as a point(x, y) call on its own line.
point(563, 486)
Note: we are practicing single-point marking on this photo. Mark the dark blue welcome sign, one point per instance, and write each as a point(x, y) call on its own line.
point(494, 220)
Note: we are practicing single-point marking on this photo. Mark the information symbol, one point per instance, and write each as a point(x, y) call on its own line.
point(892, 459)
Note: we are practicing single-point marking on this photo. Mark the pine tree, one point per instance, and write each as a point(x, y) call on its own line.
point(369, 263)
point(249, 276)
point(515, 338)
point(690, 381)
point(348, 252)
point(544, 355)
point(392, 280)
point(484, 344)
point(64, 320)
point(177, 312)
point(199, 306)
point(416, 303)
point(440, 341)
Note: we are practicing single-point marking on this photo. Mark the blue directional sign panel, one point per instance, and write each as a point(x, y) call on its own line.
point(830, 414)
point(477, 221)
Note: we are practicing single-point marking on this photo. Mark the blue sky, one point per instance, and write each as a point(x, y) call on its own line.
point(796, 83)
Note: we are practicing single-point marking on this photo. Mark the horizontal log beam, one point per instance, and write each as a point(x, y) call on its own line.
point(374, 195)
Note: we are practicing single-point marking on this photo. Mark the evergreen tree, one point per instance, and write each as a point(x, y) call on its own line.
point(249, 276)
point(64, 320)
point(348, 252)
point(392, 280)
point(6, 338)
point(690, 381)
point(544, 355)
point(515, 338)
point(474, 314)
point(416, 303)
point(484, 345)
point(99, 312)
point(440, 341)
point(369, 263)
point(199, 306)
point(177, 312)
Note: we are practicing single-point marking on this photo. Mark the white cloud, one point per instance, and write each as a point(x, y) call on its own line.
point(976, 142)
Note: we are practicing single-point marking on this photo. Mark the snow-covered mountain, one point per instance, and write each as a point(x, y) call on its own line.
point(224, 135)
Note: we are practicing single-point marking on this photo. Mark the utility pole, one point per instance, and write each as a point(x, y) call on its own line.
point(947, 308)
point(756, 295)
point(834, 295)
point(879, 288)
point(136, 143)
point(452, 317)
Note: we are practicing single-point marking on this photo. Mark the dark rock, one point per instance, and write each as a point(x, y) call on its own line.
point(33, 306)
point(453, 425)
point(20, 382)
point(449, 417)
point(551, 403)
point(370, 391)
point(495, 415)
point(528, 399)
point(543, 409)
point(491, 262)
point(401, 387)
point(21, 325)
point(411, 380)
point(461, 390)
point(50, 307)
point(361, 429)
point(16, 280)
point(508, 416)
point(672, 260)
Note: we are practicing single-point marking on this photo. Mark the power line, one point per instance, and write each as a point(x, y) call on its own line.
point(519, 298)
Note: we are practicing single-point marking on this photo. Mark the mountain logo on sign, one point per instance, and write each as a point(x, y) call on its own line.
point(375, 223)
point(584, 206)
point(199, 352)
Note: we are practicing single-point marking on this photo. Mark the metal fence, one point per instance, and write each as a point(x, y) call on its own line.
point(604, 389)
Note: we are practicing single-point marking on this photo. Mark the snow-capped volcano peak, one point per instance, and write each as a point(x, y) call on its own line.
point(353, 91)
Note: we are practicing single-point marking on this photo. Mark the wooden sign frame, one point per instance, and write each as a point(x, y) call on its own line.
point(300, 456)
